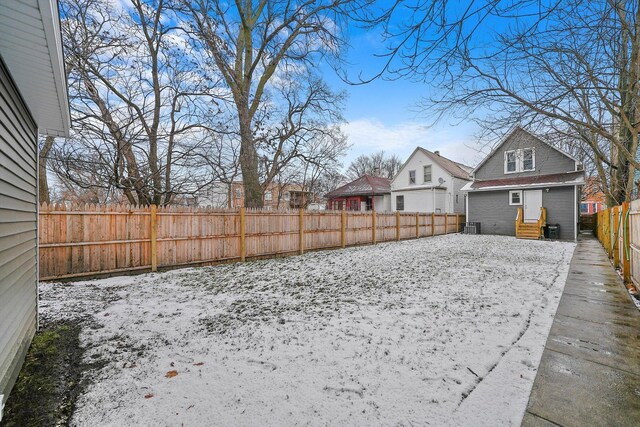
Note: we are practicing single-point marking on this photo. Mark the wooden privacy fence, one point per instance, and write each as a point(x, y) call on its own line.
point(618, 229)
point(89, 240)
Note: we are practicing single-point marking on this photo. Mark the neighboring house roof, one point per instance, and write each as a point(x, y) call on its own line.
point(455, 169)
point(549, 180)
point(31, 48)
point(366, 185)
point(506, 137)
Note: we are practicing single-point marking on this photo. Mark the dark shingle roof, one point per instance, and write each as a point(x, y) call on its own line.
point(556, 178)
point(366, 185)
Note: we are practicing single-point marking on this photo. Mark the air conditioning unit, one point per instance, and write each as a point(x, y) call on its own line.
point(472, 228)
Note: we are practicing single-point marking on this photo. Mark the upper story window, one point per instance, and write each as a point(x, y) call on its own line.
point(521, 160)
point(426, 173)
point(412, 177)
point(238, 193)
point(510, 161)
point(268, 196)
point(527, 159)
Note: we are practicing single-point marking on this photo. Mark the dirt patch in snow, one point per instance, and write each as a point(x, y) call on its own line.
point(397, 333)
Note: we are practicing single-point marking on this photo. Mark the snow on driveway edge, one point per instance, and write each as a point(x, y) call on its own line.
point(501, 397)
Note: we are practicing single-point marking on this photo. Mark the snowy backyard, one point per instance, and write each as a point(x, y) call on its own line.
point(442, 330)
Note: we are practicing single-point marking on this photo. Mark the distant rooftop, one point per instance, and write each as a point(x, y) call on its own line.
point(366, 185)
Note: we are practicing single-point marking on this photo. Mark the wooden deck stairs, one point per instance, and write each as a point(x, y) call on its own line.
point(531, 230)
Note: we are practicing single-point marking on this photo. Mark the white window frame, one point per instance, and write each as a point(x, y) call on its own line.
point(519, 154)
point(424, 174)
point(414, 177)
point(506, 161)
point(533, 159)
point(268, 196)
point(519, 192)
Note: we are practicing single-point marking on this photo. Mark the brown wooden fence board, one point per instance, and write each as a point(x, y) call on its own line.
point(77, 241)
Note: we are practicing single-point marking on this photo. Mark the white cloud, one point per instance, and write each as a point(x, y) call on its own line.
point(367, 136)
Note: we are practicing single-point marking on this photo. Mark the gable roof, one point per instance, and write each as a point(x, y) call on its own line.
point(366, 185)
point(455, 169)
point(508, 135)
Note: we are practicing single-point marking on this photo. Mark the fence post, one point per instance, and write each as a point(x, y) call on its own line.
point(626, 263)
point(446, 223)
point(433, 224)
point(154, 238)
point(397, 225)
point(417, 225)
point(301, 225)
point(343, 228)
point(373, 226)
point(457, 223)
point(243, 247)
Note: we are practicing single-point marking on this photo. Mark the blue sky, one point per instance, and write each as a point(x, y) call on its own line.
point(382, 115)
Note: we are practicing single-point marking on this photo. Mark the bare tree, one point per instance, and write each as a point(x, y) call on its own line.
point(376, 164)
point(139, 101)
point(260, 48)
point(43, 183)
point(568, 66)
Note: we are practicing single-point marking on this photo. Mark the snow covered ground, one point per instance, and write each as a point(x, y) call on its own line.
point(443, 330)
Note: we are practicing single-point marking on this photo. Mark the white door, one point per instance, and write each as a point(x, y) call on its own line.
point(532, 205)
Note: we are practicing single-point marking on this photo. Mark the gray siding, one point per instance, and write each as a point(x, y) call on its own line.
point(18, 225)
point(496, 216)
point(547, 159)
point(458, 204)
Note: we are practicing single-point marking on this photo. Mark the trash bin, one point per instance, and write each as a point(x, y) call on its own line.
point(554, 231)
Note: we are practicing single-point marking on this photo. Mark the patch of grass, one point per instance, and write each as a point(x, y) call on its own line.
point(50, 379)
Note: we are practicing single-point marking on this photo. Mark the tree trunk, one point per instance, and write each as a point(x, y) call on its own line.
point(249, 163)
point(43, 183)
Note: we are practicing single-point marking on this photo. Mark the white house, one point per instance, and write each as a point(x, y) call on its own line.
point(429, 182)
point(33, 100)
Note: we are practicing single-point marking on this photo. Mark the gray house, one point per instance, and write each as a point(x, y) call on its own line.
point(33, 99)
point(523, 185)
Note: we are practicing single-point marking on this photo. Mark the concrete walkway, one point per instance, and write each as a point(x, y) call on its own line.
point(589, 374)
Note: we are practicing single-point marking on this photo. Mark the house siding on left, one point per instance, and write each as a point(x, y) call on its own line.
point(18, 225)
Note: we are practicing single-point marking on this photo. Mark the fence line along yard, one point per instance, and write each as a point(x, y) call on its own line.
point(618, 229)
point(86, 240)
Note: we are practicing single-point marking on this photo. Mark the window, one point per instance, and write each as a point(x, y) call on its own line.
point(412, 177)
point(426, 173)
point(353, 205)
point(528, 159)
point(515, 197)
point(238, 193)
point(287, 195)
point(399, 203)
point(584, 208)
point(268, 196)
point(456, 199)
point(521, 160)
point(510, 161)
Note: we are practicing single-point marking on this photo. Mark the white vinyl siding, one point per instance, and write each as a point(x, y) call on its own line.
point(18, 230)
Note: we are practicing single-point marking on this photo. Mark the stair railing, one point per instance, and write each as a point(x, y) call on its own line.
point(518, 221)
